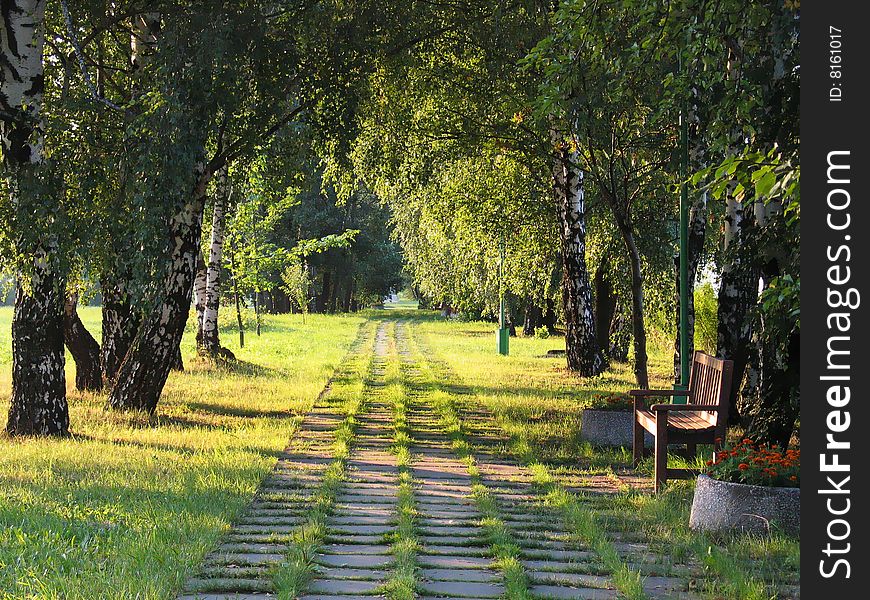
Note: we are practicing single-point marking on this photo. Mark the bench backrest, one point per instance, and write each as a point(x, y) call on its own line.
point(710, 384)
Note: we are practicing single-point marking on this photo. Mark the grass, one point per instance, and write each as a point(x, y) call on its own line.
point(346, 396)
point(539, 404)
point(132, 504)
point(402, 583)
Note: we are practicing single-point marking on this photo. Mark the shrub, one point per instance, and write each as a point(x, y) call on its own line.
point(542, 333)
point(756, 465)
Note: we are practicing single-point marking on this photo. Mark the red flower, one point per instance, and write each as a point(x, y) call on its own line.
point(742, 466)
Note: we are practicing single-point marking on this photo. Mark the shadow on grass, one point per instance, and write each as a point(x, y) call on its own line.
point(232, 411)
point(232, 366)
point(170, 448)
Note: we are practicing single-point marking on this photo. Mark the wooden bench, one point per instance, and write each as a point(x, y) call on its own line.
point(702, 420)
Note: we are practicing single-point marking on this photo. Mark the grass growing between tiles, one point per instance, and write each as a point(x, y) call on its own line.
point(402, 583)
point(581, 522)
point(539, 405)
point(347, 395)
point(129, 505)
point(503, 548)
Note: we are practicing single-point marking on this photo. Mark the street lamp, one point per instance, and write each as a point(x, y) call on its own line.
point(503, 333)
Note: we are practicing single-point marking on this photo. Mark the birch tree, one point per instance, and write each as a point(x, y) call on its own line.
point(210, 334)
point(39, 404)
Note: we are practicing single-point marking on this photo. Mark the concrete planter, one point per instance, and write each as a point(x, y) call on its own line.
point(725, 506)
point(609, 427)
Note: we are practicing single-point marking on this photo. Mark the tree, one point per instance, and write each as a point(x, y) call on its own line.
point(297, 283)
point(39, 404)
point(210, 336)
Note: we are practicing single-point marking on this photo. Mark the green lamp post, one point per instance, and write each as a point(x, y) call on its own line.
point(685, 284)
point(503, 333)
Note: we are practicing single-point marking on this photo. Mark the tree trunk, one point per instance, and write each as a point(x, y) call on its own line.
point(325, 291)
point(83, 347)
point(120, 323)
point(605, 305)
point(200, 287)
point(154, 351)
point(237, 300)
point(622, 216)
point(620, 335)
point(211, 335)
point(534, 317)
point(39, 404)
point(177, 359)
point(257, 311)
point(581, 349)
point(776, 377)
point(638, 329)
point(120, 320)
point(738, 294)
point(550, 318)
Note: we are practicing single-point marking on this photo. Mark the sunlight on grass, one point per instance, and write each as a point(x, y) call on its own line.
point(131, 504)
point(539, 404)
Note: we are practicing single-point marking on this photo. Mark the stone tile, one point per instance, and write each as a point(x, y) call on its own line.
point(264, 528)
point(454, 562)
point(358, 561)
point(560, 566)
point(341, 528)
point(350, 573)
point(465, 589)
point(462, 534)
point(560, 555)
point(342, 586)
point(575, 579)
point(462, 550)
point(476, 575)
point(361, 519)
point(339, 538)
point(355, 549)
point(252, 548)
point(656, 586)
point(572, 593)
point(362, 498)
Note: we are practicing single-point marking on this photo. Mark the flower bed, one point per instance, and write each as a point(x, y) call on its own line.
point(749, 488)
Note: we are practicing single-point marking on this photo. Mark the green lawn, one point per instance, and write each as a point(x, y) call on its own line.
point(127, 506)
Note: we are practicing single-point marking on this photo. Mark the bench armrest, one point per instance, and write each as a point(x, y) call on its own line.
point(665, 407)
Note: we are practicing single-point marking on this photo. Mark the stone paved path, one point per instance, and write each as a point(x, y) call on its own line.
point(455, 558)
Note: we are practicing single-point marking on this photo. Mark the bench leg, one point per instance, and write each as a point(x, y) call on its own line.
point(637, 443)
point(691, 451)
point(661, 460)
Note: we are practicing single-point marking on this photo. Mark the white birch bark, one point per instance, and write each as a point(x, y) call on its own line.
point(39, 404)
point(200, 284)
point(581, 348)
point(210, 332)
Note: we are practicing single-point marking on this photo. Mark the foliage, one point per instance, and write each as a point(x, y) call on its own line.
point(705, 318)
point(755, 464)
point(297, 282)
